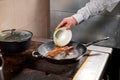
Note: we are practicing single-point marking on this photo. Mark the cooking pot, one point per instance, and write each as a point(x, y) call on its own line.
point(13, 41)
point(77, 53)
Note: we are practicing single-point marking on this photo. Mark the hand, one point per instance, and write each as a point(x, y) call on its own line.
point(67, 22)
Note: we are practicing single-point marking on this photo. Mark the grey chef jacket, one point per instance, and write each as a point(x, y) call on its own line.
point(94, 7)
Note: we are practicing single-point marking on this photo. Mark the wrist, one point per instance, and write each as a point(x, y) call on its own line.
point(74, 20)
point(78, 18)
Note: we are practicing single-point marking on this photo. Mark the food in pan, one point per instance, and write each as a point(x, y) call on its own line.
point(59, 50)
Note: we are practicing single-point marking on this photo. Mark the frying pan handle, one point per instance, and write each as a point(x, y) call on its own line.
point(85, 54)
point(93, 42)
point(36, 54)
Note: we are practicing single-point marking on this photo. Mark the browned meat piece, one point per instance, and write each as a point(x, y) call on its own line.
point(58, 50)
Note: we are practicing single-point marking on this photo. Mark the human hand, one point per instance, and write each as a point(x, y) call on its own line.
point(67, 22)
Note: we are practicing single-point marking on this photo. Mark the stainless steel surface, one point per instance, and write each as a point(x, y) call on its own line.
point(67, 5)
point(1, 67)
point(99, 26)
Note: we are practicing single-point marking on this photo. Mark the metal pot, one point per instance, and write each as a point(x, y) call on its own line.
point(13, 41)
point(78, 52)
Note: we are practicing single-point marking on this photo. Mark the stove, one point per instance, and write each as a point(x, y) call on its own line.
point(22, 66)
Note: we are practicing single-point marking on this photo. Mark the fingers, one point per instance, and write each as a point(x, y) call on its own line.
point(67, 22)
point(68, 26)
point(62, 23)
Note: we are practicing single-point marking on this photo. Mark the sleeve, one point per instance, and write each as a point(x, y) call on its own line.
point(92, 8)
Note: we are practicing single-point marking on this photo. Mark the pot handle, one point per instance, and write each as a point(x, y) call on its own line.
point(12, 30)
point(37, 54)
point(93, 42)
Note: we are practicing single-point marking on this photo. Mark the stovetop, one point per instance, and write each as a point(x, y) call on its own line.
point(22, 66)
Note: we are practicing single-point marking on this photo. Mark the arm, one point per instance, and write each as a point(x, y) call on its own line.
point(93, 7)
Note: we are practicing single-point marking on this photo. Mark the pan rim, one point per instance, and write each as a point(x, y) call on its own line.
point(76, 46)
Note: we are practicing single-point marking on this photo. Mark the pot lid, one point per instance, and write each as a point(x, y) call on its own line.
point(14, 35)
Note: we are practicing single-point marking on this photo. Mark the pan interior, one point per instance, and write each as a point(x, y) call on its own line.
point(49, 46)
point(64, 55)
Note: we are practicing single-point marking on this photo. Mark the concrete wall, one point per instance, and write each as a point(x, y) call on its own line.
point(31, 15)
point(99, 26)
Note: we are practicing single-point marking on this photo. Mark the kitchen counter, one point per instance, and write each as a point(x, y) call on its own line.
point(93, 67)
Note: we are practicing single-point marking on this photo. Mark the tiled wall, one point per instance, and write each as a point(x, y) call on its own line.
point(32, 15)
point(99, 26)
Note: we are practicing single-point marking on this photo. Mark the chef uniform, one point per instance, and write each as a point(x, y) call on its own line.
point(94, 7)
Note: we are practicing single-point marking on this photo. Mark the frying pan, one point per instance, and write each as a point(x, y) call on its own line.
point(77, 53)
